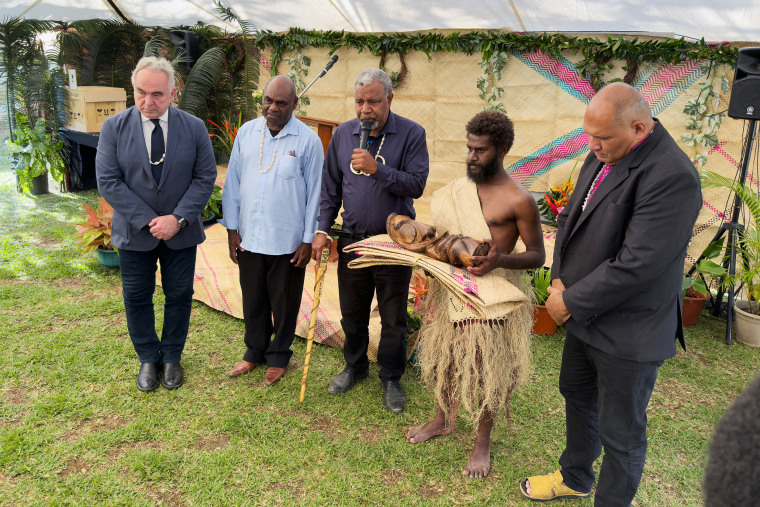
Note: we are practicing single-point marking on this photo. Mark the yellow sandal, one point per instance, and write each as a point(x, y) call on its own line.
point(548, 487)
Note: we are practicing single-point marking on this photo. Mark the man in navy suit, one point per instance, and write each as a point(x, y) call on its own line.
point(616, 282)
point(156, 167)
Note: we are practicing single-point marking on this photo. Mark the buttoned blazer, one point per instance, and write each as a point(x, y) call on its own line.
point(622, 259)
point(126, 181)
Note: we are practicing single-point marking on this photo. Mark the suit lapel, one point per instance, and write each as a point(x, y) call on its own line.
point(617, 175)
point(138, 138)
point(172, 139)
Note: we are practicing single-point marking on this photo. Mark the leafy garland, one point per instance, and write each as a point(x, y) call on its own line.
point(488, 81)
point(703, 111)
point(299, 69)
point(598, 54)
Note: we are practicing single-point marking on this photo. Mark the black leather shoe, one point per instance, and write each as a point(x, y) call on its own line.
point(345, 380)
point(394, 396)
point(147, 378)
point(173, 376)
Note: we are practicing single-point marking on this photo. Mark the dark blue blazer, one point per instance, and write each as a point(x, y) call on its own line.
point(125, 179)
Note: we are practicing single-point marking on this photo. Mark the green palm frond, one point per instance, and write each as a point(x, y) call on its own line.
point(200, 82)
point(714, 180)
point(156, 46)
point(251, 68)
point(18, 49)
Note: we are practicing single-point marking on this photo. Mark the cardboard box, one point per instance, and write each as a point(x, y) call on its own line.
point(89, 106)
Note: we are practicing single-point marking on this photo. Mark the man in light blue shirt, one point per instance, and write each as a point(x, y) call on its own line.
point(270, 202)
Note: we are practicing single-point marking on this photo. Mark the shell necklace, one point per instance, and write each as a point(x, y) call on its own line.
point(261, 149)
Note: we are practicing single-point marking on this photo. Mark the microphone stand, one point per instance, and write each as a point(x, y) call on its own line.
point(324, 71)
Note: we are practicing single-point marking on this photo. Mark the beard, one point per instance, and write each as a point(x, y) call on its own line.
point(485, 174)
point(374, 123)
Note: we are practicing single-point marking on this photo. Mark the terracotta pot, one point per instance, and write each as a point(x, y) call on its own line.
point(747, 324)
point(692, 309)
point(542, 322)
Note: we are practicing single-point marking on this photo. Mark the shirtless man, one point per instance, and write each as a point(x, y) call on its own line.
point(509, 211)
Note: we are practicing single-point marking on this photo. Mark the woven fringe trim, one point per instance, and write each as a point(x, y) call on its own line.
point(477, 363)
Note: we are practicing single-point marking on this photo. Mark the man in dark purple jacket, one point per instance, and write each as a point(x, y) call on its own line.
point(371, 184)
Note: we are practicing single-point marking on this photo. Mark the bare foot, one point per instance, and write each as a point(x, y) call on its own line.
point(435, 428)
point(479, 463)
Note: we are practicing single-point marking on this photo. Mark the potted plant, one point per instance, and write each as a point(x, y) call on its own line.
point(36, 155)
point(213, 210)
point(695, 294)
point(747, 272)
point(94, 232)
point(540, 281)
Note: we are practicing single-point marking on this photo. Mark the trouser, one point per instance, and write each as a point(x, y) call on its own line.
point(605, 406)
point(356, 288)
point(272, 287)
point(138, 281)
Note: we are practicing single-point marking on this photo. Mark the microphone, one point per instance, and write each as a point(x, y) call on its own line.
point(366, 129)
point(329, 65)
point(324, 71)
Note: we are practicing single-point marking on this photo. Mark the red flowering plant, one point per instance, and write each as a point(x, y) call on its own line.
point(224, 137)
point(555, 200)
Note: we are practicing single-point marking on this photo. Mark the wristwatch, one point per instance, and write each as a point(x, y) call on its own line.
point(181, 222)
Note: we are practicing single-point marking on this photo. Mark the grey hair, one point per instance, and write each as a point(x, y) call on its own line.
point(155, 63)
point(369, 76)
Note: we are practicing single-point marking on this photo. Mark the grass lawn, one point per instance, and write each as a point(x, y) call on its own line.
point(75, 430)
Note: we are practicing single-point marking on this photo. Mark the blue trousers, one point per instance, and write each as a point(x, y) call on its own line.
point(605, 407)
point(138, 281)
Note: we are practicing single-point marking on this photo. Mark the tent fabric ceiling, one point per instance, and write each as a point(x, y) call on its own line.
point(733, 20)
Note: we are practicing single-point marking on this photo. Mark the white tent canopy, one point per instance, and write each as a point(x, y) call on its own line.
point(734, 20)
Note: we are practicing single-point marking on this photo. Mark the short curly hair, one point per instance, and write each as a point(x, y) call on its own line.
point(494, 124)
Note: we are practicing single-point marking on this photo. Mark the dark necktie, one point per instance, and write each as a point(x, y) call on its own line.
point(157, 151)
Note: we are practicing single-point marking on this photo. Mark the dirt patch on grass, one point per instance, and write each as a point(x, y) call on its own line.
point(431, 491)
point(392, 477)
point(212, 442)
point(75, 466)
point(6, 480)
point(15, 396)
point(170, 497)
point(98, 424)
point(116, 453)
point(674, 395)
point(295, 488)
point(51, 243)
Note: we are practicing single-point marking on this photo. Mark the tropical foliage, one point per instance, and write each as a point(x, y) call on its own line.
point(36, 152)
point(747, 270)
point(540, 281)
point(94, 229)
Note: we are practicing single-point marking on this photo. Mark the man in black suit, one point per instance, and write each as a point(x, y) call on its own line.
point(616, 282)
point(156, 167)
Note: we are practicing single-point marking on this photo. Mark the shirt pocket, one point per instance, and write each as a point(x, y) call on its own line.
point(289, 168)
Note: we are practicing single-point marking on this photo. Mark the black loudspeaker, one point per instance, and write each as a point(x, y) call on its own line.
point(189, 43)
point(745, 93)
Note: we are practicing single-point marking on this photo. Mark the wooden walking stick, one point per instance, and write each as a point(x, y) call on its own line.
point(318, 282)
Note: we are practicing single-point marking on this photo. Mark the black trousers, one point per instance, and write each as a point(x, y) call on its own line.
point(606, 398)
point(271, 287)
point(356, 288)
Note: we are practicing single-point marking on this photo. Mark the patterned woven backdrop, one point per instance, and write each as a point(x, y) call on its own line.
point(546, 98)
